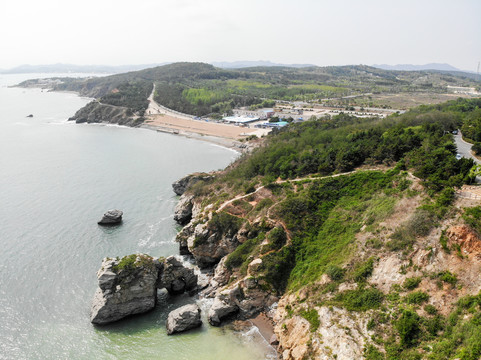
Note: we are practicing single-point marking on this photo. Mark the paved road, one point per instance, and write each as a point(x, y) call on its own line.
point(464, 148)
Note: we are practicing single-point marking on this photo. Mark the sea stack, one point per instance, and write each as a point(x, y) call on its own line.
point(126, 286)
point(111, 217)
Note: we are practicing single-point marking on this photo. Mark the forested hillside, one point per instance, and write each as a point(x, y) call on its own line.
point(381, 249)
point(201, 89)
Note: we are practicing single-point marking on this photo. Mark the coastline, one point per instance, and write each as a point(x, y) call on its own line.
point(232, 144)
point(225, 135)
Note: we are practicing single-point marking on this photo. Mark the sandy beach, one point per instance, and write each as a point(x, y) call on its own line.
point(165, 120)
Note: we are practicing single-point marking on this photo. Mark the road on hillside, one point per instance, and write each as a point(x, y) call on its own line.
point(464, 148)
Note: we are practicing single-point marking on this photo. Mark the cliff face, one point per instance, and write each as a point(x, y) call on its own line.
point(95, 112)
point(353, 309)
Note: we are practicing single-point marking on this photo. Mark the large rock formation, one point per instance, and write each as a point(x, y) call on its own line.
point(95, 112)
point(181, 185)
point(127, 286)
point(208, 244)
point(182, 319)
point(176, 278)
point(111, 217)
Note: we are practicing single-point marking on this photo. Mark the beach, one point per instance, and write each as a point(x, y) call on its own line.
point(166, 120)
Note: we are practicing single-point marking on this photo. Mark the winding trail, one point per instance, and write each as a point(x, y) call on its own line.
point(290, 180)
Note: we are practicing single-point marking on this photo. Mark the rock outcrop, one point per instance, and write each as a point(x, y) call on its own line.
point(184, 318)
point(176, 278)
point(111, 217)
point(181, 185)
point(466, 238)
point(126, 287)
point(183, 209)
point(220, 310)
point(95, 112)
point(207, 244)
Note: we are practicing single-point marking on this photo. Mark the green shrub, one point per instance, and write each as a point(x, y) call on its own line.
point(364, 270)
point(446, 197)
point(133, 261)
point(372, 353)
point(225, 223)
point(267, 202)
point(476, 148)
point(313, 317)
point(448, 277)
point(360, 299)
point(241, 254)
point(416, 297)
point(443, 240)
point(411, 283)
point(430, 309)
point(472, 217)
point(335, 272)
point(408, 328)
point(277, 267)
point(277, 238)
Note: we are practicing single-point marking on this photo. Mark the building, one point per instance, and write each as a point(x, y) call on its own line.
point(260, 113)
point(240, 119)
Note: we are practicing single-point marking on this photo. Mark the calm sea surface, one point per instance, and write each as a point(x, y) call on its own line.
point(56, 180)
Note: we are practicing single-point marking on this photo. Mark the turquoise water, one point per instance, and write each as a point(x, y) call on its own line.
point(57, 179)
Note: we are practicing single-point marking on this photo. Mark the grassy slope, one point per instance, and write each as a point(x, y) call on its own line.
point(326, 218)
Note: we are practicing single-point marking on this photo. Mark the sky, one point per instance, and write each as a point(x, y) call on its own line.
point(319, 32)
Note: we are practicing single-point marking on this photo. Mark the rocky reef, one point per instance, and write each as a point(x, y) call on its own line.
point(96, 112)
point(128, 286)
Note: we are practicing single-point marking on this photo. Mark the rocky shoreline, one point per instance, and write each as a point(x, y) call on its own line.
point(242, 299)
point(129, 285)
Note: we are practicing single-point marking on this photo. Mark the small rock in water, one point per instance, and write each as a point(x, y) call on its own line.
point(111, 217)
point(184, 318)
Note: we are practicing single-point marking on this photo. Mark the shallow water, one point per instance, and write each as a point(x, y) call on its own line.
point(57, 178)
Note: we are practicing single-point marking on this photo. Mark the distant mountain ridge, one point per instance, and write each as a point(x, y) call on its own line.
point(248, 63)
point(71, 68)
point(108, 69)
point(411, 67)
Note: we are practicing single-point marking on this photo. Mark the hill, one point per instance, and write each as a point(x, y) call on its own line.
point(353, 228)
point(411, 67)
point(202, 89)
point(71, 68)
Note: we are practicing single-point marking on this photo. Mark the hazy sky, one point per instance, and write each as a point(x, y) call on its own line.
point(321, 32)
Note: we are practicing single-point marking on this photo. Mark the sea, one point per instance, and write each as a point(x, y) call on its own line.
point(57, 178)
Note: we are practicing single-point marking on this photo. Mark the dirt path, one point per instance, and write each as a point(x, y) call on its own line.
point(284, 181)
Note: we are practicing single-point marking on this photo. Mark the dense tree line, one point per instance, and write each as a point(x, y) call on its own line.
point(420, 138)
